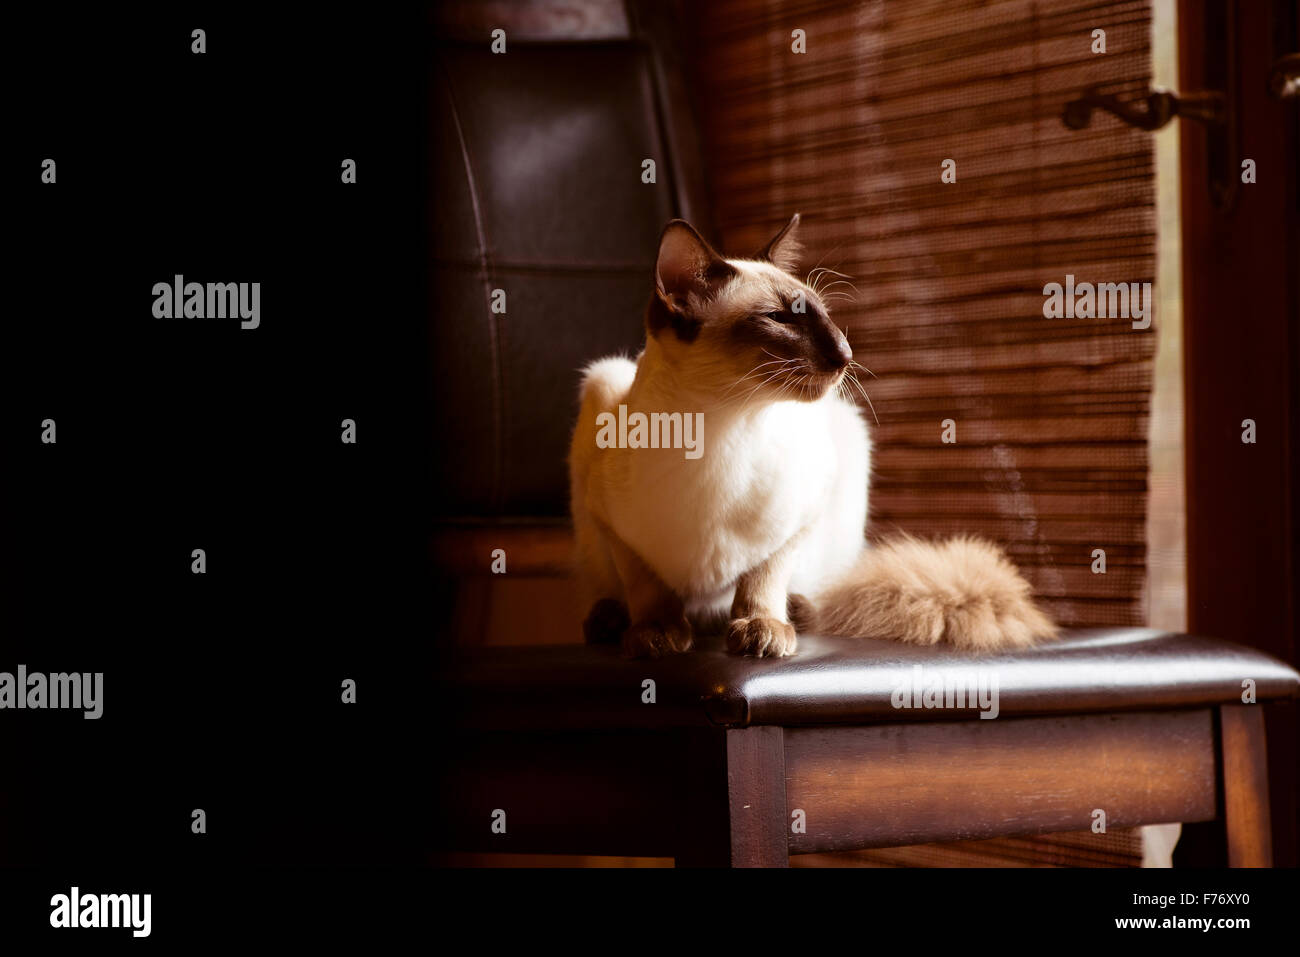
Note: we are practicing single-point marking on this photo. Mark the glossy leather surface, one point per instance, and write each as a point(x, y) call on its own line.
point(537, 161)
point(848, 681)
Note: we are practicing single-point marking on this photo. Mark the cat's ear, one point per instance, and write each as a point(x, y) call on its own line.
point(688, 264)
point(784, 249)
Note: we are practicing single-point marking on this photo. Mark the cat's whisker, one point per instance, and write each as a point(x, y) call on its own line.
point(782, 376)
point(870, 405)
point(817, 275)
point(761, 370)
point(827, 269)
point(780, 387)
point(754, 372)
point(819, 272)
point(770, 376)
point(824, 287)
point(844, 280)
point(853, 363)
point(832, 250)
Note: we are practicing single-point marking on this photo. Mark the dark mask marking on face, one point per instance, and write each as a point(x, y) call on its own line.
point(659, 317)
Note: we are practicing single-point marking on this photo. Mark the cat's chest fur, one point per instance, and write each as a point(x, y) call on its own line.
point(700, 523)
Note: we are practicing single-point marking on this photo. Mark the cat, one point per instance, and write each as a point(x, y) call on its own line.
point(765, 530)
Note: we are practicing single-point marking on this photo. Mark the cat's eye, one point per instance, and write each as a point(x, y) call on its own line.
point(780, 317)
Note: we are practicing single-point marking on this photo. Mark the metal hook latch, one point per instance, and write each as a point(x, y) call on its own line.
point(1161, 107)
point(1285, 79)
point(1210, 108)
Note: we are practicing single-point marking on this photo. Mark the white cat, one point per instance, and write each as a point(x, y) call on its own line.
point(766, 526)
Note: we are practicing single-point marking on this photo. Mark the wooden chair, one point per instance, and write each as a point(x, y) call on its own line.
point(716, 760)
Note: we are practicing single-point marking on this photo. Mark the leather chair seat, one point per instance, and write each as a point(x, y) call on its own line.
point(850, 681)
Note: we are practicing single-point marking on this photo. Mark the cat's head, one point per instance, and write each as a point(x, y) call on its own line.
point(744, 327)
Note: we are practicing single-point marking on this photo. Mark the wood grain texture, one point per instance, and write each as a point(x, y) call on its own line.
point(756, 797)
point(911, 784)
point(1118, 847)
point(1245, 786)
point(730, 810)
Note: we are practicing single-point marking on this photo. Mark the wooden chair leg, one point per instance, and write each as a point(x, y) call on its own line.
point(756, 793)
point(1244, 767)
point(732, 811)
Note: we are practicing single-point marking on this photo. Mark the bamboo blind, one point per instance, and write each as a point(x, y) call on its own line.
point(1050, 414)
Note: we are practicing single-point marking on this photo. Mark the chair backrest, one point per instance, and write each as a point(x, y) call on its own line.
point(543, 240)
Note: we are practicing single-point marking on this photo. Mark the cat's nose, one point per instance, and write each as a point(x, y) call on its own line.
point(840, 355)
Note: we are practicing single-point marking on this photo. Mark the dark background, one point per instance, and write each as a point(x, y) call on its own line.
point(222, 691)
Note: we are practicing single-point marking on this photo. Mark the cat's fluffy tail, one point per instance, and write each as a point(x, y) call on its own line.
point(963, 591)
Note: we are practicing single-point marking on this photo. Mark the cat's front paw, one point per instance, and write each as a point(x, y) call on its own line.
point(650, 639)
point(761, 637)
